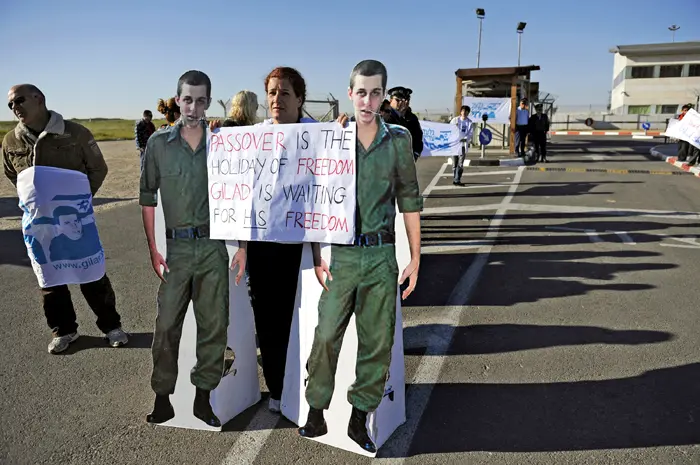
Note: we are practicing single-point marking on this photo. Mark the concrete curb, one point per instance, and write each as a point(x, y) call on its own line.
point(673, 160)
point(607, 133)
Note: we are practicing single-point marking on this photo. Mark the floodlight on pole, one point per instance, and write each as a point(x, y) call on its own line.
point(521, 28)
point(673, 28)
point(480, 13)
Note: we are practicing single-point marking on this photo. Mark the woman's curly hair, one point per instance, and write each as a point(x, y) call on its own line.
point(169, 108)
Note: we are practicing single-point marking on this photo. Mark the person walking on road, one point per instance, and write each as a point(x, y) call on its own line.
point(43, 137)
point(466, 129)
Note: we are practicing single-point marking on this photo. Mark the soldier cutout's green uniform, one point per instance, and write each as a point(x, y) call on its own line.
point(198, 266)
point(365, 277)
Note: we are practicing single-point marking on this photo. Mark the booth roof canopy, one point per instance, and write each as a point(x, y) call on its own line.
point(466, 73)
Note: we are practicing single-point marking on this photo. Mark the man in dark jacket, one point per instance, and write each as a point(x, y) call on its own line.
point(43, 138)
point(538, 128)
point(399, 99)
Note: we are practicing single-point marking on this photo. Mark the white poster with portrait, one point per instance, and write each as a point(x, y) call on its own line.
point(58, 225)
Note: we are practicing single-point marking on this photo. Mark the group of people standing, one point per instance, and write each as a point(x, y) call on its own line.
point(174, 173)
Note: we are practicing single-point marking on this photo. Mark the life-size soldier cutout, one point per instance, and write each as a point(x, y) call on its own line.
point(365, 274)
point(196, 269)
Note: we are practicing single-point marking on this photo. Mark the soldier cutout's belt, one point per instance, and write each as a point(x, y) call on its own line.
point(373, 239)
point(198, 232)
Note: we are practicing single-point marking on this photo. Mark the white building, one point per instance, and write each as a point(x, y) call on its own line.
point(655, 78)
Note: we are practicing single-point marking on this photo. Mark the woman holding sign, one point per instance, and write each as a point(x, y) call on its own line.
point(273, 296)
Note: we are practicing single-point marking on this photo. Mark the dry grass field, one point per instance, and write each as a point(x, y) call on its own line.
point(120, 187)
point(102, 128)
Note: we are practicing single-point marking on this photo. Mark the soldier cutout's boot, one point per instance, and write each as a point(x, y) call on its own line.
point(358, 431)
point(202, 408)
point(315, 424)
point(162, 410)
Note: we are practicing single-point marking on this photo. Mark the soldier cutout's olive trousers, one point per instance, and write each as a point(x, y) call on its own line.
point(198, 271)
point(364, 283)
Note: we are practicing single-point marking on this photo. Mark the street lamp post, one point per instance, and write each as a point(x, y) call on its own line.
point(480, 13)
point(521, 28)
point(673, 28)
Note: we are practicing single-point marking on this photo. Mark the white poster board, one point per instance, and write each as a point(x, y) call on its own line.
point(58, 225)
point(497, 109)
point(441, 139)
point(392, 411)
point(687, 129)
point(239, 388)
point(303, 172)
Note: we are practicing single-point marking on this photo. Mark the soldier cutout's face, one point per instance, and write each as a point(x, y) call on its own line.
point(283, 102)
point(367, 96)
point(70, 226)
point(193, 102)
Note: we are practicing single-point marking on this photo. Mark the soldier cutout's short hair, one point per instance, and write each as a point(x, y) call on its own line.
point(369, 68)
point(194, 78)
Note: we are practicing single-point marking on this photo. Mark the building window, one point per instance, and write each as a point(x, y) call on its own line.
point(642, 72)
point(694, 70)
point(670, 71)
point(639, 109)
point(668, 109)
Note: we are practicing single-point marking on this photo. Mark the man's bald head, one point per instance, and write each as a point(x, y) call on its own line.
point(28, 103)
point(27, 90)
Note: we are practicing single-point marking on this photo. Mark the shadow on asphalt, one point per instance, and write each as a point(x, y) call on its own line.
point(553, 189)
point(136, 341)
point(518, 277)
point(656, 408)
point(502, 338)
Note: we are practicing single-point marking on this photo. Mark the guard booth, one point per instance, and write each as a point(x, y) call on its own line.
point(510, 82)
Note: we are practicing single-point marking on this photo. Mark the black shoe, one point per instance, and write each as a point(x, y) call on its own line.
point(358, 431)
point(162, 410)
point(202, 408)
point(315, 424)
point(458, 183)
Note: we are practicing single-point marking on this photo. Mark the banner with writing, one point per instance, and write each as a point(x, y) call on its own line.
point(440, 139)
point(497, 109)
point(59, 227)
point(687, 129)
point(286, 183)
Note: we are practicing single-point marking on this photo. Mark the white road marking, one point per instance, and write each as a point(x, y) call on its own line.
point(624, 237)
point(479, 186)
point(485, 173)
point(431, 363)
point(251, 441)
point(603, 211)
point(592, 233)
point(453, 246)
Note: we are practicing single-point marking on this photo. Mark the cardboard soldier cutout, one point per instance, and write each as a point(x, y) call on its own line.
point(196, 269)
point(363, 277)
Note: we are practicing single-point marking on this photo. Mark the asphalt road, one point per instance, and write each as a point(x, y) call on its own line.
point(555, 322)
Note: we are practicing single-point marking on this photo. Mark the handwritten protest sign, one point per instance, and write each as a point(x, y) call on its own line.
point(687, 129)
point(288, 183)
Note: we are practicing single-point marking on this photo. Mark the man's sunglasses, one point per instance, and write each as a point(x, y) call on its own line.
point(17, 101)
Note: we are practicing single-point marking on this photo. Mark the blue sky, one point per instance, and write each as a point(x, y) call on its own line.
point(114, 59)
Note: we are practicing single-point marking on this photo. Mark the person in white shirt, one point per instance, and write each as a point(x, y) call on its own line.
point(522, 121)
point(466, 128)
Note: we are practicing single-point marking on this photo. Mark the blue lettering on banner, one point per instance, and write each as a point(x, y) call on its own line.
point(436, 142)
